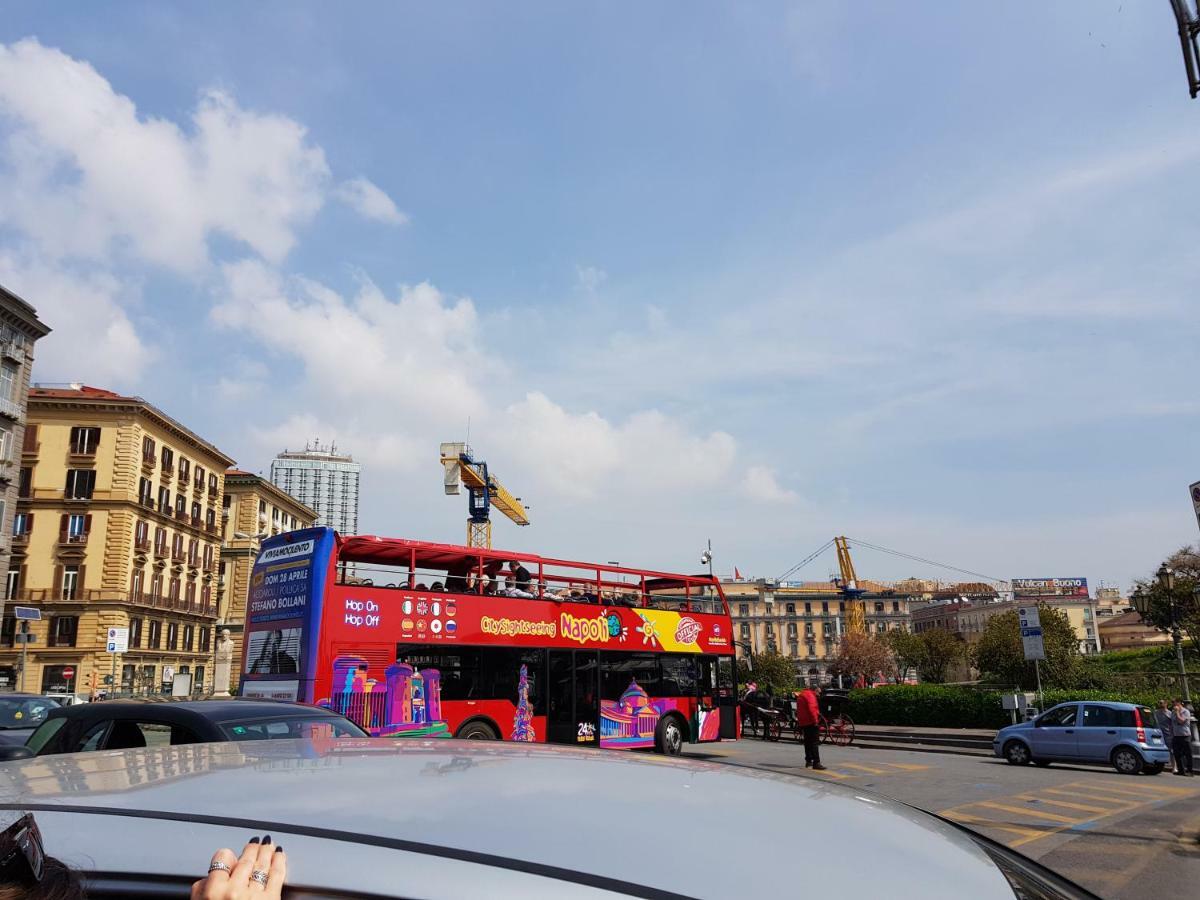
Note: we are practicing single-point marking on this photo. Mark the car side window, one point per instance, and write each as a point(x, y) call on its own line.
point(1060, 718)
point(127, 734)
point(1099, 717)
point(90, 739)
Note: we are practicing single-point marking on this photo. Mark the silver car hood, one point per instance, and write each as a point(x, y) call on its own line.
point(696, 829)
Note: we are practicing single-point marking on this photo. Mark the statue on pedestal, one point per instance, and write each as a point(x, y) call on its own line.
point(223, 664)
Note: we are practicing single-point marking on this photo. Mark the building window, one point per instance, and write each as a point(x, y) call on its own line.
point(770, 630)
point(172, 635)
point(22, 524)
point(262, 507)
point(84, 440)
point(145, 492)
point(206, 595)
point(212, 482)
point(184, 468)
point(25, 483)
point(76, 528)
point(63, 630)
point(135, 632)
point(8, 378)
point(156, 586)
point(198, 681)
point(141, 534)
point(148, 454)
point(203, 638)
point(825, 607)
point(5, 443)
point(14, 583)
point(180, 506)
point(80, 484)
point(173, 589)
point(743, 609)
point(791, 609)
point(878, 607)
point(210, 520)
point(8, 628)
point(189, 637)
point(164, 500)
point(70, 583)
point(745, 630)
point(189, 593)
point(168, 459)
point(208, 556)
point(792, 630)
point(198, 481)
point(155, 639)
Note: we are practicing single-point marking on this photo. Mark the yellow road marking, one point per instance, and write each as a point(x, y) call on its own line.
point(910, 767)
point(1029, 833)
point(829, 773)
point(1140, 793)
point(1096, 809)
point(873, 771)
point(1120, 803)
point(1024, 810)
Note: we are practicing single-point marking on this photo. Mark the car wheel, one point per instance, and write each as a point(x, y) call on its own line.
point(1126, 761)
point(477, 731)
point(669, 738)
point(1016, 753)
point(1155, 769)
point(1041, 762)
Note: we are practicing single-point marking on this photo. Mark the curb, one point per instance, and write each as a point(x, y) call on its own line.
point(923, 748)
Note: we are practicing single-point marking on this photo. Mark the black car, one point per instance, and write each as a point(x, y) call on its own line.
point(124, 724)
point(20, 714)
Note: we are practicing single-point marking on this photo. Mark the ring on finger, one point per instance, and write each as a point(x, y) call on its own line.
point(259, 876)
point(217, 866)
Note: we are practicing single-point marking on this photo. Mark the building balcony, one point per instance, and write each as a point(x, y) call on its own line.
point(81, 456)
point(161, 549)
point(12, 350)
point(142, 545)
point(21, 539)
point(167, 470)
point(149, 460)
point(11, 409)
point(66, 539)
point(197, 522)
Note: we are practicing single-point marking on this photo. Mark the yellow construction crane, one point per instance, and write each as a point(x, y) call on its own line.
point(856, 609)
point(484, 493)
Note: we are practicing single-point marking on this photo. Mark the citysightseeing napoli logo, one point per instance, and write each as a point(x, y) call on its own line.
point(687, 630)
point(584, 631)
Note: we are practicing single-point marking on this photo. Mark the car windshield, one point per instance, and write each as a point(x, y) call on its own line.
point(22, 712)
point(281, 728)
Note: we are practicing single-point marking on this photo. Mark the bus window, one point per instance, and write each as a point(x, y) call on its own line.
point(617, 670)
point(678, 676)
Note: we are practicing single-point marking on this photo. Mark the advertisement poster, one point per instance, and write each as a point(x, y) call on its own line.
point(1050, 587)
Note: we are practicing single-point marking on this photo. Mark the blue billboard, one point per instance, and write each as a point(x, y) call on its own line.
point(283, 611)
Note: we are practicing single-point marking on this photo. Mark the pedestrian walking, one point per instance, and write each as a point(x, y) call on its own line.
point(1181, 738)
point(808, 716)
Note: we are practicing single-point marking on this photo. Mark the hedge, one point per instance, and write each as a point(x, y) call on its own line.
point(954, 706)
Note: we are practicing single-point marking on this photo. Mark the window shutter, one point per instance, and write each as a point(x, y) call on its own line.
point(87, 524)
point(79, 582)
point(63, 523)
point(29, 443)
point(58, 580)
point(29, 523)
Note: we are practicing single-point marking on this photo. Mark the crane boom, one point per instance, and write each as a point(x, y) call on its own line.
point(484, 490)
point(856, 609)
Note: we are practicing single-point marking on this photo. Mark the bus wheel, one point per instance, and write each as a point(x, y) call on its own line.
point(669, 738)
point(477, 731)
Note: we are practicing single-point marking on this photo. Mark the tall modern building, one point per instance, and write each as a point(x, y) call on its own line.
point(321, 478)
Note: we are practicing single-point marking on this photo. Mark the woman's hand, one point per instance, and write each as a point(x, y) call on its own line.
point(258, 873)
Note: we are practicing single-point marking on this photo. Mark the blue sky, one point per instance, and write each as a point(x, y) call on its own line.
point(763, 273)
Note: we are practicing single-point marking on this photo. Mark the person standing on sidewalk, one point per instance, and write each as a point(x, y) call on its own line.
point(808, 714)
point(1162, 721)
point(1181, 738)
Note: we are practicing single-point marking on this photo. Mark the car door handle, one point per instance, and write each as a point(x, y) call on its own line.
point(1112, 731)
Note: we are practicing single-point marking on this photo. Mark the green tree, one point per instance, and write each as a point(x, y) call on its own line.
point(908, 651)
point(941, 650)
point(771, 671)
point(1185, 563)
point(999, 654)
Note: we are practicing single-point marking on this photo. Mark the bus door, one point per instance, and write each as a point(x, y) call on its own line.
point(572, 692)
point(717, 697)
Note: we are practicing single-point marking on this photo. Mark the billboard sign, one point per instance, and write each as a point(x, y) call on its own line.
point(1194, 490)
point(1050, 587)
point(1031, 632)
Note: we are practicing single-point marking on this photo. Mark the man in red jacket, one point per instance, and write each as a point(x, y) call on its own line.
point(808, 714)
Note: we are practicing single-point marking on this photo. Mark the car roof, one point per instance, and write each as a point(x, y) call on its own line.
point(215, 710)
point(588, 817)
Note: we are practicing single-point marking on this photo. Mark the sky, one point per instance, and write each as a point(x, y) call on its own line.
point(755, 273)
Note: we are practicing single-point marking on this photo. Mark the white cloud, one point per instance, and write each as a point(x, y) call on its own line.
point(761, 486)
point(93, 339)
point(369, 201)
point(589, 278)
point(86, 174)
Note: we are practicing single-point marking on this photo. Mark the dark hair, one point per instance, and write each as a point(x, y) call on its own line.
point(58, 883)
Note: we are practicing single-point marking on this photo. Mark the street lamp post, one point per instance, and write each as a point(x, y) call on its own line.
point(1141, 602)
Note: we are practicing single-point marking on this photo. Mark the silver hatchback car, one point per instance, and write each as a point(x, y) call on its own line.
point(373, 818)
point(1122, 735)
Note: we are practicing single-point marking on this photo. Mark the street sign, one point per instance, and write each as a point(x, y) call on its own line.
point(24, 637)
point(68, 673)
point(27, 612)
point(118, 640)
point(1031, 632)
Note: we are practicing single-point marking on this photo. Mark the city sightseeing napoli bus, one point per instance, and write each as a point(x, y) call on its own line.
point(409, 638)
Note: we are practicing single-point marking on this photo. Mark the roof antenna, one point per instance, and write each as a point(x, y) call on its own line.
point(468, 441)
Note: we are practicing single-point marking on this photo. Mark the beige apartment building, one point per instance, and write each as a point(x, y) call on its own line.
point(116, 526)
point(805, 621)
point(20, 329)
point(1085, 615)
point(254, 509)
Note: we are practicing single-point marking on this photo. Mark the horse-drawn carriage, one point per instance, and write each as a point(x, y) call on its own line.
point(770, 716)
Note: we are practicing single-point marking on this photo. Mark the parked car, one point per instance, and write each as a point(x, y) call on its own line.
point(21, 714)
point(121, 724)
point(1122, 735)
point(443, 818)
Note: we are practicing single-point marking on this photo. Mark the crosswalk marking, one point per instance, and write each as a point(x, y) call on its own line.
point(1027, 811)
point(870, 769)
point(1030, 832)
point(1121, 802)
point(1080, 806)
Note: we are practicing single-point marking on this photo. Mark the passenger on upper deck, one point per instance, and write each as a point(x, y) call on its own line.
point(511, 590)
point(522, 576)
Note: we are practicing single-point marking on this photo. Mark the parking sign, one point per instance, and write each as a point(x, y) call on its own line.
point(118, 640)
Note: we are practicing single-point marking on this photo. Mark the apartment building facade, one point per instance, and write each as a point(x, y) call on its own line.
point(254, 509)
point(117, 525)
point(20, 329)
point(805, 622)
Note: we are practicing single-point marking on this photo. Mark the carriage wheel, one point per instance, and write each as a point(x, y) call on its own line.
point(774, 731)
point(841, 730)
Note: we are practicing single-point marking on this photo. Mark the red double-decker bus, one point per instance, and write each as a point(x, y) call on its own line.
point(414, 638)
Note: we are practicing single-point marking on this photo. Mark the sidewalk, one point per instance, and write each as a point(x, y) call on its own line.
point(965, 741)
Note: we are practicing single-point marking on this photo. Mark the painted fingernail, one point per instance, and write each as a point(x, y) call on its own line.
point(266, 839)
point(253, 840)
point(279, 848)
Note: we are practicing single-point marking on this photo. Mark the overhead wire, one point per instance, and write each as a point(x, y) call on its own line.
point(804, 562)
point(928, 562)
